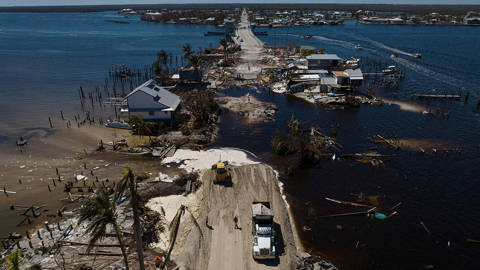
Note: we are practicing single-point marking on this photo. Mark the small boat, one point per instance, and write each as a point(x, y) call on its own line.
point(21, 142)
point(307, 36)
point(118, 124)
point(390, 70)
point(358, 47)
point(393, 55)
point(417, 55)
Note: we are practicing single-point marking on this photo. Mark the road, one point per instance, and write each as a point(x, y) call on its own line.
point(252, 50)
point(223, 246)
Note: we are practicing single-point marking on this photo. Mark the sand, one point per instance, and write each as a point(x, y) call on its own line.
point(224, 247)
point(254, 110)
point(170, 205)
point(200, 160)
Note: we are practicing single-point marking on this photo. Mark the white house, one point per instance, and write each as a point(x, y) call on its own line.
point(151, 102)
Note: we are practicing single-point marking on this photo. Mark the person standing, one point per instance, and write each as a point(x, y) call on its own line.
point(235, 220)
point(158, 261)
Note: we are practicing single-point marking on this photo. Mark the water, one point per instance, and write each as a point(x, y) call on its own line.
point(46, 57)
point(440, 191)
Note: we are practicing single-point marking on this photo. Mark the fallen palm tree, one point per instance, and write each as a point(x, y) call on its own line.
point(175, 225)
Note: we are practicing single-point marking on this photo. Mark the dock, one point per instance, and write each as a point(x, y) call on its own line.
point(430, 96)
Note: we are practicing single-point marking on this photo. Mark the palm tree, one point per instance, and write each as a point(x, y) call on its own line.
point(187, 49)
point(175, 225)
point(161, 65)
point(102, 212)
point(224, 43)
point(13, 260)
point(128, 182)
point(139, 126)
point(195, 61)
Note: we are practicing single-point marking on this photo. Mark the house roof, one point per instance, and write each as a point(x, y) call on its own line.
point(323, 57)
point(307, 47)
point(354, 74)
point(158, 94)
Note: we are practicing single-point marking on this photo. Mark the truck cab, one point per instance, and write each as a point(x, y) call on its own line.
point(263, 231)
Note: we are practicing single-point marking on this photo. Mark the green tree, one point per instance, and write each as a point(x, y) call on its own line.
point(128, 183)
point(139, 126)
point(187, 50)
point(13, 260)
point(101, 212)
point(224, 44)
point(195, 61)
point(161, 65)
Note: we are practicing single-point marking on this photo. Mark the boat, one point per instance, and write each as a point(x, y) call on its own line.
point(390, 70)
point(21, 142)
point(118, 124)
point(307, 36)
point(393, 55)
point(358, 47)
point(417, 55)
point(210, 33)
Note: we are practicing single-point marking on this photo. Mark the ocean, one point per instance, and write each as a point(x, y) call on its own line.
point(46, 57)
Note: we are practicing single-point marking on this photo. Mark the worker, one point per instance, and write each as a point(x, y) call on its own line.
point(235, 220)
point(158, 261)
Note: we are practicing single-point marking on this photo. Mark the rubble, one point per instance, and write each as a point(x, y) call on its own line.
point(305, 261)
point(250, 107)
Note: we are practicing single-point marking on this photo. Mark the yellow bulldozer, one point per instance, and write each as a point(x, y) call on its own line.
point(222, 173)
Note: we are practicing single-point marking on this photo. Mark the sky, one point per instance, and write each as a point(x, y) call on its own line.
point(110, 2)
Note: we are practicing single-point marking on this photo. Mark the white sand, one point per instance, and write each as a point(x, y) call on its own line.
point(201, 160)
point(170, 205)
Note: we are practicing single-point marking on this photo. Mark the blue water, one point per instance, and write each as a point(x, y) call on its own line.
point(45, 57)
point(441, 191)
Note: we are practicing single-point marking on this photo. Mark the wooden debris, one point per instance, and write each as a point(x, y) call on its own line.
point(347, 203)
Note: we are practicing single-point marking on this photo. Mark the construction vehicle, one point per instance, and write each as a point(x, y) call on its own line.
point(222, 173)
point(263, 231)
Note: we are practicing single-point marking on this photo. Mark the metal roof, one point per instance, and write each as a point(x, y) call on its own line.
point(259, 209)
point(323, 57)
point(159, 95)
point(354, 74)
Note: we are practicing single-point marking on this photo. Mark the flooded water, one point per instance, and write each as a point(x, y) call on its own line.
point(442, 191)
point(46, 57)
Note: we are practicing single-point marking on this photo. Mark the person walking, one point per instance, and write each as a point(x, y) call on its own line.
point(235, 220)
point(158, 261)
point(206, 221)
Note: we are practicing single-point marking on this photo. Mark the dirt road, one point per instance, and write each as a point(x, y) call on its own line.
point(223, 246)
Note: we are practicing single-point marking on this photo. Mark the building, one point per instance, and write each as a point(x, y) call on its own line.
point(151, 102)
point(397, 21)
point(471, 21)
point(355, 77)
point(352, 78)
point(323, 61)
point(229, 26)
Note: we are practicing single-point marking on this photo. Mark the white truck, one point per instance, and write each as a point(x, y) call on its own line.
point(263, 231)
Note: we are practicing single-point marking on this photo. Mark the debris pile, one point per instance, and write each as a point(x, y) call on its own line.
point(250, 107)
point(305, 261)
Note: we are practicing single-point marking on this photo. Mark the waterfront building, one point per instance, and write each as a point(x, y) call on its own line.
point(151, 102)
point(229, 24)
point(323, 61)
